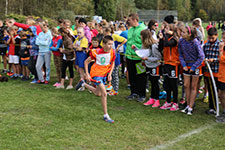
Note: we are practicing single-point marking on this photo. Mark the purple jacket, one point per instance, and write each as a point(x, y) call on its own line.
point(87, 33)
point(190, 53)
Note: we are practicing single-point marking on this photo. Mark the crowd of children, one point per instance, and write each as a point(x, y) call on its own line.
point(97, 50)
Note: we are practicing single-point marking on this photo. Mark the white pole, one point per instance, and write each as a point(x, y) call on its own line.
point(215, 89)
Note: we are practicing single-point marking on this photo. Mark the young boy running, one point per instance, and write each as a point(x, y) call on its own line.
point(103, 66)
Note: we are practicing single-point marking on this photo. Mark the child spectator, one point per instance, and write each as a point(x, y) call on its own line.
point(171, 68)
point(221, 79)
point(211, 50)
point(54, 47)
point(103, 66)
point(68, 58)
point(33, 50)
point(191, 57)
point(80, 45)
point(87, 32)
point(44, 56)
point(3, 45)
point(14, 48)
point(24, 55)
point(152, 65)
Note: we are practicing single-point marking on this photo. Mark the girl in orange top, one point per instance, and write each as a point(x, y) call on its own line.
point(169, 43)
point(221, 76)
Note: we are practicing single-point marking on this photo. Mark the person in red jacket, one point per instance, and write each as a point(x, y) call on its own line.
point(29, 22)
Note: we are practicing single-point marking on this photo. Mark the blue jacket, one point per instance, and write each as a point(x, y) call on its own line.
point(43, 41)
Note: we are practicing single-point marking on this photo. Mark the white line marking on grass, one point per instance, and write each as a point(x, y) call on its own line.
point(181, 137)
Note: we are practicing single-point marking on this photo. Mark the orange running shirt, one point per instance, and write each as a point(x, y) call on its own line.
point(103, 62)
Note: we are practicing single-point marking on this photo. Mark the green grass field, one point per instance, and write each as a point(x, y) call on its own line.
point(41, 117)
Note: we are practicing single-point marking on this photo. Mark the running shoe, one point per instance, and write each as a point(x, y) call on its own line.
point(151, 101)
point(166, 106)
point(156, 104)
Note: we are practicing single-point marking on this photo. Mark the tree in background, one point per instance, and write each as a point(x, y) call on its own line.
point(106, 9)
point(124, 8)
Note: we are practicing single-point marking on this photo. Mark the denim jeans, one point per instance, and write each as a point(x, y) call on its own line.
point(43, 58)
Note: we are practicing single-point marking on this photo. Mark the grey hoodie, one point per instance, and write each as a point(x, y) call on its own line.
point(154, 57)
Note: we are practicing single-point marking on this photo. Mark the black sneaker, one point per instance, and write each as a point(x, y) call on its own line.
point(210, 112)
point(79, 85)
point(141, 99)
point(132, 96)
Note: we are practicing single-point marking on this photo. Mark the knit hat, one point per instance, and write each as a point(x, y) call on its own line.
point(169, 19)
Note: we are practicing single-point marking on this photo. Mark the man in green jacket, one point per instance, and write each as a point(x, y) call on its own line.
point(136, 71)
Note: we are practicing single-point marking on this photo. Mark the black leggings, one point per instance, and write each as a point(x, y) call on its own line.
point(154, 86)
point(171, 86)
point(32, 66)
point(66, 64)
point(122, 57)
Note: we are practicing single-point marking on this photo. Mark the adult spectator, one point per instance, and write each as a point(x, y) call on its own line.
point(137, 75)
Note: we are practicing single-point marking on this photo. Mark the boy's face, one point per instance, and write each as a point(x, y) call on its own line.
point(212, 38)
point(54, 34)
point(82, 24)
point(108, 46)
point(80, 33)
point(95, 43)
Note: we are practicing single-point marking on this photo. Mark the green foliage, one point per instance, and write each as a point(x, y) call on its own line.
point(124, 8)
point(203, 15)
point(17, 17)
point(107, 9)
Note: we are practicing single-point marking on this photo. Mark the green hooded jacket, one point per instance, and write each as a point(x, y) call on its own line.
point(134, 38)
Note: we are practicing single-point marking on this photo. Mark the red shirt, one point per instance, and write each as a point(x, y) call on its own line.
point(12, 46)
point(55, 42)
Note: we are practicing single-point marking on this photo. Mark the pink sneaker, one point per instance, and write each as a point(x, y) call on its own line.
point(151, 101)
point(56, 84)
point(174, 107)
point(166, 106)
point(156, 104)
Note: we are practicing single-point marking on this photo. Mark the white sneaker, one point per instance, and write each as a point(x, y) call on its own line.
point(60, 87)
point(81, 89)
point(69, 87)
